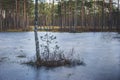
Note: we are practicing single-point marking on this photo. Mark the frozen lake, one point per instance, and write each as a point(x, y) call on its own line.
point(100, 52)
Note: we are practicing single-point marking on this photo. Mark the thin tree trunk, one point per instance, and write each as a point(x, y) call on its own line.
point(65, 16)
point(82, 14)
point(94, 16)
point(75, 16)
point(52, 15)
point(118, 18)
point(24, 15)
point(16, 15)
point(60, 17)
point(35, 32)
point(0, 19)
point(69, 13)
point(103, 15)
point(110, 15)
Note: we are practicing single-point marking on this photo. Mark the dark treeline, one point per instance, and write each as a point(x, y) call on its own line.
point(80, 15)
point(63, 15)
point(14, 14)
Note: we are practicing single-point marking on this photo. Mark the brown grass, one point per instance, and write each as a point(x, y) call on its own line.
point(57, 60)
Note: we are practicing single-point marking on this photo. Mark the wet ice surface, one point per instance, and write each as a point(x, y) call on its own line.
point(100, 52)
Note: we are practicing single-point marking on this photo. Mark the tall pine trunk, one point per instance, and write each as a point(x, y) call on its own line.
point(24, 15)
point(35, 32)
point(75, 16)
point(118, 18)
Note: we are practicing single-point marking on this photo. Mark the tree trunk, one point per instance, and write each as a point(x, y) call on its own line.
point(1, 19)
point(24, 15)
point(103, 20)
point(82, 14)
point(16, 26)
point(35, 31)
point(75, 16)
point(110, 15)
point(118, 18)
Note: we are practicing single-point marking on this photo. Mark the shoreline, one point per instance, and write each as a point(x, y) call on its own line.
point(59, 29)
